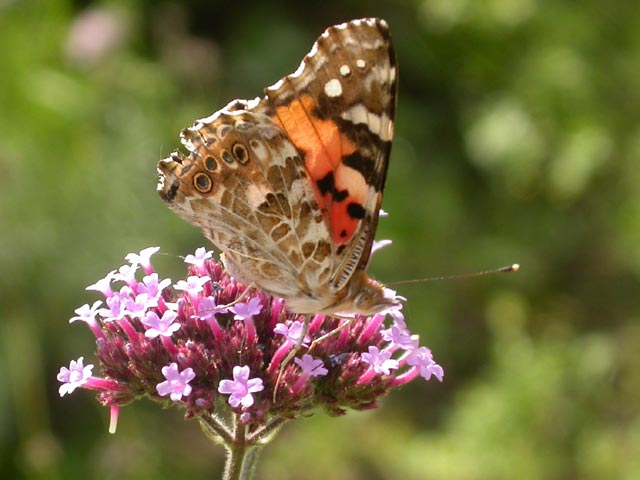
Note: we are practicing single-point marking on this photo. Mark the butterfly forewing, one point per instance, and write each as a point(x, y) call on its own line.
point(337, 108)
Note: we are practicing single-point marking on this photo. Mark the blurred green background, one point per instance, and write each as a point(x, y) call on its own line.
point(517, 140)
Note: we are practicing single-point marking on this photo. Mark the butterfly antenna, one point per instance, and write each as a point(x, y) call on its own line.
point(508, 269)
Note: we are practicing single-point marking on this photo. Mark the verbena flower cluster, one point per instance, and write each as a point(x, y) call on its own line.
point(209, 344)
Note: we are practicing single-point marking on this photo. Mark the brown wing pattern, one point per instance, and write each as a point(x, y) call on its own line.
point(338, 109)
point(245, 185)
point(289, 187)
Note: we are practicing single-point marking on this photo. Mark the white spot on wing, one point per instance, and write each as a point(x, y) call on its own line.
point(356, 114)
point(333, 88)
point(255, 195)
point(379, 124)
point(360, 63)
point(374, 123)
point(259, 150)
point(345, 70)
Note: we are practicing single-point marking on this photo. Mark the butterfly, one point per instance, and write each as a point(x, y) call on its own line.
point(288, 186)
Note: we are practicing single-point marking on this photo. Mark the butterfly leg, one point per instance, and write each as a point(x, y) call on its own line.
point(241, 297)
point(292, 353)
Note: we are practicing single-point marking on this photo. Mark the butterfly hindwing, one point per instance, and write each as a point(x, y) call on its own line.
point(255, 201)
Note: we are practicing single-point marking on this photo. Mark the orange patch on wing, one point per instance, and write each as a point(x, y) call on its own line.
point(324, 146)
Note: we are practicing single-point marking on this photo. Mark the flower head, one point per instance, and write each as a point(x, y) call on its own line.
point(313, 367)
point(153, 286)
point(192, 285)
point(380, 360)
point(399, 335)
point(136, 307)
point(183, 341)
point(143, 258)
point(241, 387)
point(379, 244)
point(86, 313)
point(208, 308)
point(423, 359)
point(160, 325)
point(198, 260)
point(246, 311)
point(176, 384)
point(73, 377)
point(127, 274)
point(292, 332)
point(104, 284)
point(116, 307)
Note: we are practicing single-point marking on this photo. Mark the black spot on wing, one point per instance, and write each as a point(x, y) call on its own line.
point(327, 184)
point(173, 190)
point(355, 210)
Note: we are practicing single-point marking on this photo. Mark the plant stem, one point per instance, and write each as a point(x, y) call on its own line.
point(242, 456)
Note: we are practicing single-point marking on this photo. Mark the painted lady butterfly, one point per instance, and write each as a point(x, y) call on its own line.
point(289, 186)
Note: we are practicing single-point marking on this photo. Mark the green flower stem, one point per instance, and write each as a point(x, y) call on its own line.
point(215, 430)
point(242, 456)
point(264, 434)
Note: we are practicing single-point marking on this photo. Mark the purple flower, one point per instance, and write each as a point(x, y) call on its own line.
point(74, 376)
point(143, 258)
point(220, 355)
point(152, 287)
point(293, 332)
point(127, 274)
point(246, 311)
point(164, 326)
point(207, 309)
point(423, 359)
point(198, 260)
point(379, 244)
point(192, 285)
point(137, 307)
point(104, 284)
point(241, 387)
point(380, 360)
point(399, 335)
point(393, 310)
point(116, 308)
point(87, 313)
point(312, 367)
point(177, 383)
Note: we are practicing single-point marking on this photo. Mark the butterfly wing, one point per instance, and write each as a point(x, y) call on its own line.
point(245, 185)
point(289, 186)
point(338, 109)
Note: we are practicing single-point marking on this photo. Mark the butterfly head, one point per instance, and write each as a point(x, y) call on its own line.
point(367, 296)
